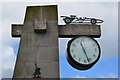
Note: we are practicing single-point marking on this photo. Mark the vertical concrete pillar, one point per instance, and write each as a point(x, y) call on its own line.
point(39, 43)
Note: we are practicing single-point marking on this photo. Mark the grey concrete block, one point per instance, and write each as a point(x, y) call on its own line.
point(16, 30)
point(40, 26)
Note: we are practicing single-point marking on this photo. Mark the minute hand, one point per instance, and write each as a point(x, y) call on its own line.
point(84, 52)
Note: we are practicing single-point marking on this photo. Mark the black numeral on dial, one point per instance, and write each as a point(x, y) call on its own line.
point(74, 56)
point(72, 50)
point(85, 61)
point(79, 59)
point(74, 45)
point(94, 55)
point(90, 59)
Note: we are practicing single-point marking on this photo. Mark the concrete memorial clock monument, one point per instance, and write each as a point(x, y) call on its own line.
point(38, 55)
point(83, 52)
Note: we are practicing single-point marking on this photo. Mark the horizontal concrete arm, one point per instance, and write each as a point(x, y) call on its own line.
point(73, 30)
point(67, 31)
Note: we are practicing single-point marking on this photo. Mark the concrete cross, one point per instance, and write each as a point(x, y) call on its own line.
point(39, 40)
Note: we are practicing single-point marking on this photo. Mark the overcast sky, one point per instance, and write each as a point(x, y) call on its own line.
point(14, 13)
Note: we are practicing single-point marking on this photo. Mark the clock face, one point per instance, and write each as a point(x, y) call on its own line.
point(84, 50)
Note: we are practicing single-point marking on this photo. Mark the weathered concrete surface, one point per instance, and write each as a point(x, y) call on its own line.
point(40, 26)
point(39, 48)
point(72, 30)
point(16, 30)
point(41, 12)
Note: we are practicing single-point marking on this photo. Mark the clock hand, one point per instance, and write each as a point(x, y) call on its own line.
point(84, 52)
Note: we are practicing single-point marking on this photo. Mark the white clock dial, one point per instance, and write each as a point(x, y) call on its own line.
point(84, 50)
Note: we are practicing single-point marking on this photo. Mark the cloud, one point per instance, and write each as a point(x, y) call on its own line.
point(7, 52)
point(0, 42)
point(0, 63)
point(8, 62)
point(78, 76)
point(111, 75)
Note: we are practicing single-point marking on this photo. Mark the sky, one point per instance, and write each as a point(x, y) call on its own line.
point(106, 67)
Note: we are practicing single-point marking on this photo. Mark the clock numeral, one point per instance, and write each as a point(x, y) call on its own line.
point(85, 61)
point(90, 59)
point(74, 56)
point(94, 55)
point(77, 41)
point(93, 44)
point(72, 50)
point(79, 59)
point(95, 50)
point(74, 45)
point(82, 40)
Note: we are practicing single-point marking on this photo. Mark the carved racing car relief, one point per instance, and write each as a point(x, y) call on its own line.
point(75, 19)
